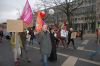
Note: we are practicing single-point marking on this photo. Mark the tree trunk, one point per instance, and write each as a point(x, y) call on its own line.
point(69, 20)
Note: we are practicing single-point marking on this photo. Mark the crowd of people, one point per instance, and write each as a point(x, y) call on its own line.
point(49, 39)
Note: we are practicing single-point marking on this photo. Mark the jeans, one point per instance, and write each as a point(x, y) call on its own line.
point(45, 60)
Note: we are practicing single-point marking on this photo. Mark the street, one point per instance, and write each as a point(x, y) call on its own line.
point(66, 57)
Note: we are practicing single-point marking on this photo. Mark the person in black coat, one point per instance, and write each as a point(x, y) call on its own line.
point(53, 55)
point(70, 39)
point(1, 35)
point(81, 32)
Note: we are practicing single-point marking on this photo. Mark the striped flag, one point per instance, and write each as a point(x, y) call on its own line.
point(27, 14)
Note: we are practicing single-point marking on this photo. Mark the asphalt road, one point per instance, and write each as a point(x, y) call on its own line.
point(66, 57)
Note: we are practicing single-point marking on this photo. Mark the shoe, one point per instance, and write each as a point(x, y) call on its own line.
point(17, 63)
point(29, 61)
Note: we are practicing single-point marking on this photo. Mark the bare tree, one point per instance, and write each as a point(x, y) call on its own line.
point(67, 7)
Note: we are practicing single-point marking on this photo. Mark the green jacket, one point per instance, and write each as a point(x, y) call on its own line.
point(45, 42)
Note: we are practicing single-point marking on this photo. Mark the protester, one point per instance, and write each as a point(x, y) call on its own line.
point(28, 36)
point(25, 37)
point(1, 35)
point(64, 34)
point(31, 32)
point(27, 48)
point(70, 39)
point(97, 33)
point(45, 45)
point(53, 55)
point(58, 36)
point(16, 44)
point(81, 34)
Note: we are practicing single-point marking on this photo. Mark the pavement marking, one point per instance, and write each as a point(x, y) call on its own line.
point(65, 55)
point(35, 47)
point(89, 61)
point(80, 48)
point(71, 61)
point(85, 42)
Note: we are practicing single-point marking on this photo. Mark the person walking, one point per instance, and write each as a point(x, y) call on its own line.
point(53, 55)
point(25, 38)
point(31, 32)
point(70, 39)
point(1, 35)
point(64, 34)
point(81, 34)
point(45, 44)
point(16, 44)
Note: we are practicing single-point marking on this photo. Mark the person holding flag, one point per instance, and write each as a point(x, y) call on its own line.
point(43, 38)
point(16, 44)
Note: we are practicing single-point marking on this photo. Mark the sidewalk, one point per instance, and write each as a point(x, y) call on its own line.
point(90, 35)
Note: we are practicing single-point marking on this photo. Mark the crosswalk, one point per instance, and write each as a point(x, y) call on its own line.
point(71, 60)
point(84, 43)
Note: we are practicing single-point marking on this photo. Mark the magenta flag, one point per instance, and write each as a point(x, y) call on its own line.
point(27, 14)
point(43, 23)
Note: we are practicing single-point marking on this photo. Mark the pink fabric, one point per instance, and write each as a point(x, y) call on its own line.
point(44, 23)
point(27, 14)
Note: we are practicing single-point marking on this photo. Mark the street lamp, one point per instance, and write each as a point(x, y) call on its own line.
point(51, 11)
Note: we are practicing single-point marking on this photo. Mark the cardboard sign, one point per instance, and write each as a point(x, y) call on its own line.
point(15, 26)
point(64, 33)
point(73, 35)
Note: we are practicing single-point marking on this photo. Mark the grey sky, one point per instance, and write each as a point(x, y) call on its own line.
point(9, 9)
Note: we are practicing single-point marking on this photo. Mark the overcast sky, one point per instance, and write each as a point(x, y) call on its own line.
point(11, 9)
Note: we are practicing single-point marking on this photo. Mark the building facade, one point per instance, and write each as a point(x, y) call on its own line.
point(84, 17)
point(98, 13)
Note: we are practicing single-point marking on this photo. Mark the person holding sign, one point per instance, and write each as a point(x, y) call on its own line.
point(16, 44)
point(64, 34)
point(71, 36)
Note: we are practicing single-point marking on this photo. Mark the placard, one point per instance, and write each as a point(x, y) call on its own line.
point(73, 35)
point(15, 26)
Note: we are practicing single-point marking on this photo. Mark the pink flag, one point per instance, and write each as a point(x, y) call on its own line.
point(27, 14)
point(44, 23)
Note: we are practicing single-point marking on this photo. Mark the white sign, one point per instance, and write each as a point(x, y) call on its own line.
point(64, 33)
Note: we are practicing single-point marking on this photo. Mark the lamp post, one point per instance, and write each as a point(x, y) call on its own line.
point(51, 12)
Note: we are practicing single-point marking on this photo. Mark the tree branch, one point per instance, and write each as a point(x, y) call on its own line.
point(61, 5)
point(79, 4)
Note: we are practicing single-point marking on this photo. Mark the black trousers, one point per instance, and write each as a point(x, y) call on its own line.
point(71, 40)
point(53, 55)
